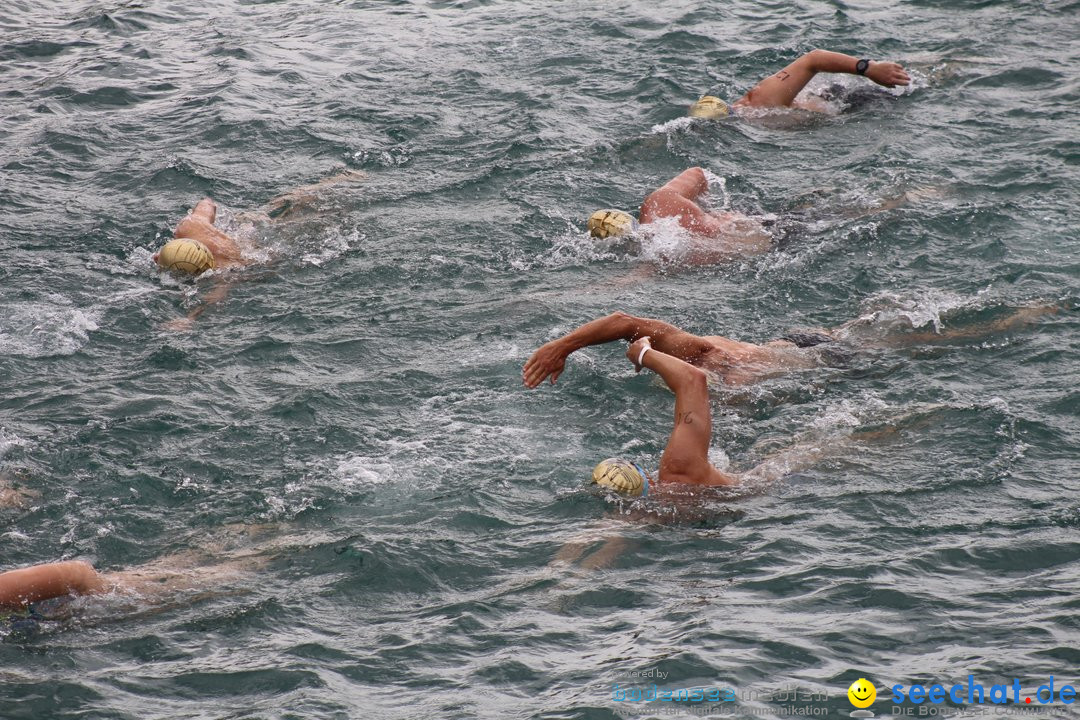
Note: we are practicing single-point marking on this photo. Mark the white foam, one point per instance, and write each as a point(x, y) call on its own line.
point(294, 501)
point(574, 247)
point(916, 310)
point(920, 79)
point(390, 157)
point(187, 483)
point(719, 459)
point(356, 470)
point(717, 185)
point(46, 328)
point(68, 538)
point(665, 241)
point(142, 259)
point(333, 246)
point(124, 297)
point(672, 126)
point(849, 413)
point(9, 440)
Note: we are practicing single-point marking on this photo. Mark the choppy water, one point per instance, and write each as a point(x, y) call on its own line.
point(357, 396)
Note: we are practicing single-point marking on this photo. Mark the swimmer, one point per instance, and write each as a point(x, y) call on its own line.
point(731, 234)
point(25, 586)
point(686, 458)
point(686, 486)
point(223, 558)
point(223, 564)
point(199, 245)
point(685, 464)
point(782, 88)
point(741, 363)
point(14, 494)
point(717, 236)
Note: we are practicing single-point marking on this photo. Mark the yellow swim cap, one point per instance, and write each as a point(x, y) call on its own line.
point(621, 476)
point(185, 255)
point(709, 107)
point(611, 223)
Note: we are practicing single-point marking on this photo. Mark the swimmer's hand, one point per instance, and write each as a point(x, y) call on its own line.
point(548, 360)
point(636, 352)
point(889, 74)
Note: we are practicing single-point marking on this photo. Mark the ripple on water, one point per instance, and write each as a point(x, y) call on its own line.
point(432, 547)
point(47, 328)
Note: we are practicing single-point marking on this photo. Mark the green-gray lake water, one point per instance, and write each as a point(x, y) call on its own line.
point(353, 409)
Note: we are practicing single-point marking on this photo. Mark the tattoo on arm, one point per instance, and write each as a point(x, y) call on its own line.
point(783, 75)
point(685, 418)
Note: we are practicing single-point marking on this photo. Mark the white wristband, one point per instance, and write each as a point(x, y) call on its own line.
point(641, 355)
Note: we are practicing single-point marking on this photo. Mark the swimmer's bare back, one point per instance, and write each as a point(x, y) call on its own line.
point(199, 225)
point(738, 234)
point(743, 363)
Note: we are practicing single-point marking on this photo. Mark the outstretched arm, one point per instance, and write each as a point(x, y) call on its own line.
point(550, 359)
point(779, 90)
point(574, 551)
point(686, 457)
point(214, 296)
point(41, 582)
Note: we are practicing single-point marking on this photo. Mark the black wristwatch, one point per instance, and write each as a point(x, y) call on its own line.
point(860, 67)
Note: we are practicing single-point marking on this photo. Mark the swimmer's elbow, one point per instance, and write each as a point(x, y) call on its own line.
point(815, 59)
point(687, 380)
point(694, 379)
point(624, 322)
point(81, 577)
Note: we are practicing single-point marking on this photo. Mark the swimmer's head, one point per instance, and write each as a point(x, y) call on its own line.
point(621, 476)
point(186, 256)
point(710, 108)
point(611, 223)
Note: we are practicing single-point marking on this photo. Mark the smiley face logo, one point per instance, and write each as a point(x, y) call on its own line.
point(862, 693)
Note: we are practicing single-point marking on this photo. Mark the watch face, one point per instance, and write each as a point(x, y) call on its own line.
point(860, 67)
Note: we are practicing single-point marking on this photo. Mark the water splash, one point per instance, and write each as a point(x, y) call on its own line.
point(889, 309)
point(48, 328)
